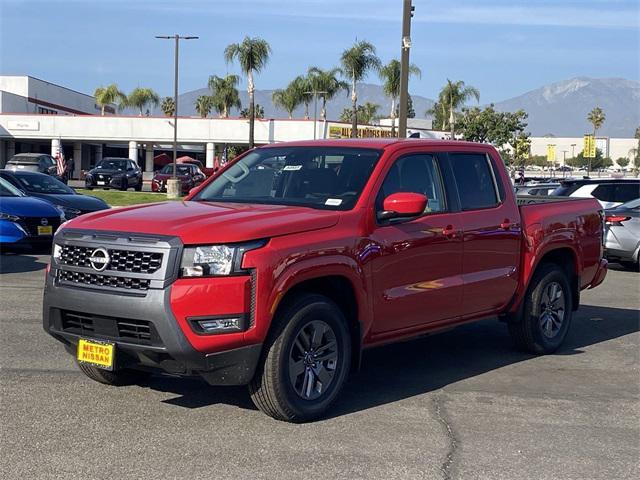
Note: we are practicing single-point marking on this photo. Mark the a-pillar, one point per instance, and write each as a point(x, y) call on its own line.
point(148, 160)
point(210, 158)
point(55, 146)
point(77, 159)
point(133, 151)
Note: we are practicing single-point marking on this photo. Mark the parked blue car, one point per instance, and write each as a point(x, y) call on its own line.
point(26, 220)
point(53, 191)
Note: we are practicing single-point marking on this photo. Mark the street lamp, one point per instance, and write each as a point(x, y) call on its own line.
point(573, 150)
point(173, 188)
point(315, 94)
point(564, 163)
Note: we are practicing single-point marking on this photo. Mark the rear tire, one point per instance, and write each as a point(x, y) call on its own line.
point(305, 361)
point(546, 314)
point(115, 378)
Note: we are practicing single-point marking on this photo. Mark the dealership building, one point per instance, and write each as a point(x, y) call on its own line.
point(38, 116)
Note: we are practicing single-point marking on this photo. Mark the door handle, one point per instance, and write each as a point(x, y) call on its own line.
point(449, 231)
point(506, 225)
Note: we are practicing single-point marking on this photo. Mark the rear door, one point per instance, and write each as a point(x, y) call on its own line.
point(417, 276)
point(491, 233)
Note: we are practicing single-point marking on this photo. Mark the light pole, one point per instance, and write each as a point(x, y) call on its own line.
point(564, 163)
point(573, 150)
point(173, 188)
point(407, 13)
point(315, 94)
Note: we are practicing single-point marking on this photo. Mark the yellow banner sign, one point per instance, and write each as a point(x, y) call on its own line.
point(589, 150)
point(551, 153)
point(339, 131)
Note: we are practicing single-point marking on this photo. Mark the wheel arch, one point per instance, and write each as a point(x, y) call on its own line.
point(339, 289)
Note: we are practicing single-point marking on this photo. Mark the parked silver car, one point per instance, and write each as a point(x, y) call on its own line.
point(622, 242)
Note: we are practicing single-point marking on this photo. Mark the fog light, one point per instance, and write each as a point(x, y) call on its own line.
point(213, 325)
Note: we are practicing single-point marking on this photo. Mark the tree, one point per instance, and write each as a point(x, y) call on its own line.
point(204, 104)
point(252, 55)
point(287, 99)
point(257, 110)
point(622, 162)
point(300, 87)
point(107, 95)
point(168, 106)
point(357, 61)
point(453, 96)
point(390, 76)
point(596, 117)
point(596, 163)
point(141, 97)
point(366, 113)
point(490, 126)
point(224, 94)
point(326, 81)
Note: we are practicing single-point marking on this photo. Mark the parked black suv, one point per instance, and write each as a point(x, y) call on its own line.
point(113, 172)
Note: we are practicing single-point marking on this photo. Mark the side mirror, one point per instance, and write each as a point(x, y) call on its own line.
point(403, 205)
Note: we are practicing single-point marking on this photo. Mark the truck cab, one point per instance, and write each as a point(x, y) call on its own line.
point(280, 269)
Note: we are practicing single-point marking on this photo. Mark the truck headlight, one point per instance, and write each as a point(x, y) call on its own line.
point(215, 260)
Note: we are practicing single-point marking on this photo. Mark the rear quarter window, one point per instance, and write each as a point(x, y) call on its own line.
point(475, 180)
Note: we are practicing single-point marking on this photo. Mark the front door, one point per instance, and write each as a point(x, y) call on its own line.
point(417, 276)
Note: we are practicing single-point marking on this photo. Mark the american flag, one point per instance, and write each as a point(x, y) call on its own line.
point(60, 161)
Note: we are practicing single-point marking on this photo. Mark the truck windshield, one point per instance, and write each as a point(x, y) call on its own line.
point(318, 177)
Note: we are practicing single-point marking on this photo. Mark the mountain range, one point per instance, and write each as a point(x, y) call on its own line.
point(559, 109)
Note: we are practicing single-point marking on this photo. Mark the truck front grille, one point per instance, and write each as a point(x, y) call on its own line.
point(120, 260)
point(141, 332)
point(88, 279)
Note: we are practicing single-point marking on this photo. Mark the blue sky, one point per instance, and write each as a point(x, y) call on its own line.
point(502, 47)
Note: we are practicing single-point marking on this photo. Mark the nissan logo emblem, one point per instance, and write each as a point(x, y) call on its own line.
point(44, 222)
point(99, 259)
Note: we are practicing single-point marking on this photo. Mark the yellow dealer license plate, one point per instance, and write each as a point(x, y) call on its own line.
point(48, 230)
point(98, 354)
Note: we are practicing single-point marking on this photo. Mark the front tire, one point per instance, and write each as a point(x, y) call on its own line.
point(546, 314)
point(305, 361)
point(114, 378)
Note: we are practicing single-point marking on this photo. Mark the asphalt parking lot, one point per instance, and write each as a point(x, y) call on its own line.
point(460, 405)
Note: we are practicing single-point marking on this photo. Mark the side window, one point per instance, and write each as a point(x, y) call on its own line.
point(418, 174)
point(475, 181)
point(604, 192)
point(625, 192)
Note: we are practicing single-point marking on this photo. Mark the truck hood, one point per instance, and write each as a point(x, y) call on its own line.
point(208, 222)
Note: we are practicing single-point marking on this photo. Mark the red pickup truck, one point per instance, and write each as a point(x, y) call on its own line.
point(278, 271)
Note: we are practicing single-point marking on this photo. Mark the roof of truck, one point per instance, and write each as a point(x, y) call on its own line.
point(374, 143)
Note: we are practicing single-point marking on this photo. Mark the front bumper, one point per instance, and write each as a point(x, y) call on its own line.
point(112, 182)
point(153, 328)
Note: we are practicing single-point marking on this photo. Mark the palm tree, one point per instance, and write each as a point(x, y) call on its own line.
point(356, 63)
point(287, 99)
point(203, 104)
point(369, 112)
point(168, 106)
point(225, 94)
point(107, 95)
point(390, 75)
point(301, 88)
point(453, 96)
point(252, 55)
point(597, 118)
point(258, 112)
point(326, 81)
point(141, 97)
